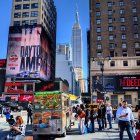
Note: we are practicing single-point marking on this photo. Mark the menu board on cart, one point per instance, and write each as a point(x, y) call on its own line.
point(47, 107)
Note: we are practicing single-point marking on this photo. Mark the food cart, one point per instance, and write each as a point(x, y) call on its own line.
point(51, 113)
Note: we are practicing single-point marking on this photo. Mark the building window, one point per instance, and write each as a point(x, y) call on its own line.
point(18, 0)
point(99, 37)
point(110, 12)
point(34, 13)
point(137, 53)
point(33, 22)
point(123, 28)
point(17, 15)
point(110, 20)
point(29, 87)
point(98, 14)
point(112, 53)
point(123, 36)
point(134, 10)
point(122, 3)
point(97, 5)
point(18, 7)
point(110, 4)
point(25, 14)
point(138, 62)
point(98, 21)
point(111, 46)
point(99, 46)
point(112, 64)
point(110, 28)
point(34, 5)
point(136, 26)
point(25, 22)
point(123, 45)
point(135, 18)
point(125, 63)
point(98, 30)
point(136, 35)
point(122, 20)
point(124, 53)
point(137, 45)
point(111, 37)
point(26, 6)
point(128, 99)
point(16, 23)
point(99, 54)
point(122, 11)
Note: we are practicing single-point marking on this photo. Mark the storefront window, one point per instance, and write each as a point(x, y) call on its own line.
point(128, 99)
point(114, 100)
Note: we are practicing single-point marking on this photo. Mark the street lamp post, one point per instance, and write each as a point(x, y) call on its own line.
point(102, 70)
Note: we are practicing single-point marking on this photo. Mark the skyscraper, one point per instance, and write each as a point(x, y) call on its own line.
point(115, 32)
point(77, 49)
point(77, 46)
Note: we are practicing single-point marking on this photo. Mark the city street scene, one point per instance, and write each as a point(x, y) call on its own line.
point(70, 69)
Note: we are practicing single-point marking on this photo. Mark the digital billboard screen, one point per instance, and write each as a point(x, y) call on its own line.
point(29, 54)
point(116, 84)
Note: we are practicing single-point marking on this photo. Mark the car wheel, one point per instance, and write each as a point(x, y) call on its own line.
point(64, 134)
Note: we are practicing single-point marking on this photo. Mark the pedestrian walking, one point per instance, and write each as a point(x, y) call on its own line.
point(81, 116)
point(109, 115)
point(87, 112)
point(99, 117)
point(29, 113)
point(103, 115)
point(125, 115)
point(93, 116)
point(138, 126)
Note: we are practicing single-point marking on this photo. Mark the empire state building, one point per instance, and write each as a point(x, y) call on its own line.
point(77, 47)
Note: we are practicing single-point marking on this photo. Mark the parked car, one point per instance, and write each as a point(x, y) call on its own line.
point(13, 106)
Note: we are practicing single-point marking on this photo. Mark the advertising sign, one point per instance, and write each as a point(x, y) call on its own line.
point(29, 55)
point(117, 84)
point(25, 98)
point(2, 63)
point(47, 86)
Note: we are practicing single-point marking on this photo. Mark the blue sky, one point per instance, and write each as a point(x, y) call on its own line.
point(65, 19)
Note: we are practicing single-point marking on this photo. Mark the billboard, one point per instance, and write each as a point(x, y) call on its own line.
point(2, 63)
point(116, 84)
point(29, 54)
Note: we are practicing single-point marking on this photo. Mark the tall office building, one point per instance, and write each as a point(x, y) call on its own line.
point(35, 12)
point(31, 45)
point(77, 50)
point(115, 32)
point(77, 43)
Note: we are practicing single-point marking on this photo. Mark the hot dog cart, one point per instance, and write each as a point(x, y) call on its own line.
point(51, 113)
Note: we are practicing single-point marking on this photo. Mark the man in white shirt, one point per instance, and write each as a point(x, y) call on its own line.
point(125, 116)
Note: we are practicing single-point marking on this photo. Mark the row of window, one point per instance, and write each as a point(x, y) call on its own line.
point(123, 37)
point(110, 12)
point(110, 4)
point(122, 20)
point(113, 54)
point(26, 6)
point(124, 45)
point(26, 14)
point(125, 63)
point(25, 22)
point(111, 28)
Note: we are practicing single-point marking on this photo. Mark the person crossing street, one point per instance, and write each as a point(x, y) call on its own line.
point(125, 116)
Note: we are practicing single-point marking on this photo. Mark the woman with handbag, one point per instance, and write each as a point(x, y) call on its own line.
point(138, 126)
point(81, 115)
